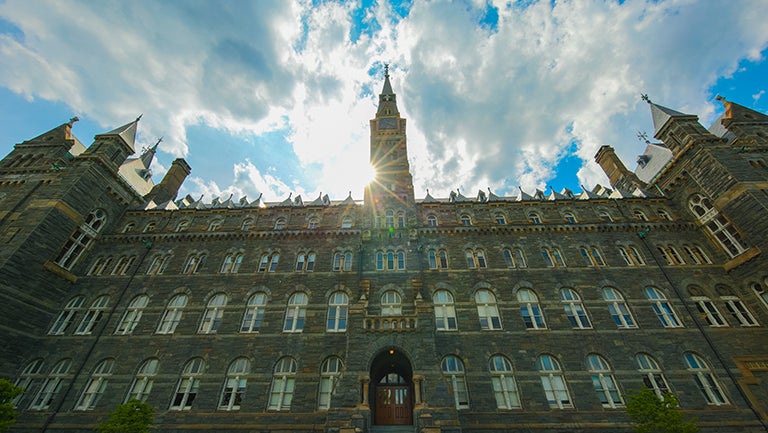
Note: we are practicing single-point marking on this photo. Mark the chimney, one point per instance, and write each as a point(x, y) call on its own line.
point(617, 173)
point(168, 188)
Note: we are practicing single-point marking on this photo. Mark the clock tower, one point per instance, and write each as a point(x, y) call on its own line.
point(393, 184)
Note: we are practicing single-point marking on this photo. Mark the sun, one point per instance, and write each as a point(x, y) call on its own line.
point(362, 174)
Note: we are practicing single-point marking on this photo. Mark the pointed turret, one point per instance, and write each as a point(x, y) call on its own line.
point(661, 116)
point(678, 131)
point(116, 145)
point(149, 154)
point(126, 132)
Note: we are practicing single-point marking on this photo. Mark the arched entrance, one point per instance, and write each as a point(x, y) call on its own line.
point(392, 390)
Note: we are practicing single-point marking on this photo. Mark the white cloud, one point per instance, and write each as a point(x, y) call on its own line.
point(485, 108)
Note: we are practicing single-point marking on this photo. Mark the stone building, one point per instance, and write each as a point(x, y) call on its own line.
point(533, 313)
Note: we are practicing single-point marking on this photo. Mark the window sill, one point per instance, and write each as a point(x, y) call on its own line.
point(742, 258)
point(59, 271)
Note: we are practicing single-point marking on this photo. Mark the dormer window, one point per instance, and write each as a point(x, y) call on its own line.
point(642, 160)
point(215, 225)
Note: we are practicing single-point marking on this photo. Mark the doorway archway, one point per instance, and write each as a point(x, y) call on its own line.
point(392, 390)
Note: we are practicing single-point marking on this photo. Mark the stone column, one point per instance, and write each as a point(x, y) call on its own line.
point(365, 381)
point(417, 380)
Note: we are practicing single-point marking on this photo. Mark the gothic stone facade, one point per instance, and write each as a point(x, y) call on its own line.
point(533, 313)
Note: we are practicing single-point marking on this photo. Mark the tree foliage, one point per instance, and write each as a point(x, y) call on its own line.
point(8, 391)
point(651, 414)
point(134, 416)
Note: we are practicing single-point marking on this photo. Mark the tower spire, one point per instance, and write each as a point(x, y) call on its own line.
point(387, 98)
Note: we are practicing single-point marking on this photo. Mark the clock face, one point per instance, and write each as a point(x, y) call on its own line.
point(388, 123)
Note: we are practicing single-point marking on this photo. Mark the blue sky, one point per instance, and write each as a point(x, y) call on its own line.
point(273, 97)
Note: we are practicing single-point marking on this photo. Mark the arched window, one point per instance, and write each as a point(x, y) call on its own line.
point(269, 262)
point(305, 262)
point(708, 311)
point(150, 227)
point(144, 380)
point(453, 371)
point(500, 219)
point(670, 255)
point(283, 383)
point(123, 264)
point(195, 262)
point(639, 215)
point(592, 256)
point(391, 303)
point(337, 312)
point(761, 293)
point(618, 308)
point(465, 220)
point(247, 224)
point(445, 311)
point(604, 382)
point(342, 261)
point(254, 313)
point(401, 219)
point(569, 217)
point(662, 308)
point(189, 384)
point(605, 216)
point(389, 219)
point(213, 314)
point(96, 385)
point(487, 310)
point(280, 223)
point(314, 222)
point(52, 385)
point(346, 222)
point(81, 239)
point(330, 372)
point(705, 380)
point(503, 381)
point(67, 315)
point(390, 260)
point(653, 377)
point(553, 258)
point(696, 255)
point(215, 225)
point(100, 265)
point(534, 218)
point(475, 259)
point(739, 311)
point(93, 315)
point(431, 221)
point(130, 227)
point(631, 256)
point(530, 309)
point(158, 264)
point(574, 309)
point(438, 259)
point(663, 214)
point(717, 225)
point(234, 384)
point(132, 315)
point(295, 313)
point(514, 258)
point(172, 315)
point(182, 226)
point(28, 376)
point(553, 381)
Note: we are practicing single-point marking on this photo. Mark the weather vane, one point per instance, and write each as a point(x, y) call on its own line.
point(642, 135)
point(386, 70)
point(644, 97)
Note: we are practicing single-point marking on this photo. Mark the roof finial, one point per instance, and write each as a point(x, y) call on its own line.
point(73, 120)
point(386, 70)
point(159, 140)
point(139, 118)
point(644, 97)
point(642, 135)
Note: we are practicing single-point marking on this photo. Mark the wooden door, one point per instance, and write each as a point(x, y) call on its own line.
point(393, 405)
